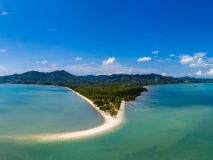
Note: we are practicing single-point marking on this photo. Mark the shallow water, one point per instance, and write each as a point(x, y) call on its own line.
point(171, 122)
point(34, 109)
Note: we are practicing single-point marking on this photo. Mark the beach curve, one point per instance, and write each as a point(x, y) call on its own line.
point(109, 124)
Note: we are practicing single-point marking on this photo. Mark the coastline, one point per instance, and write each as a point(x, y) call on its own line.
point(109, 124)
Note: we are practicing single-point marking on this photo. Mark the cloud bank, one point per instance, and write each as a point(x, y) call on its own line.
point(198, 60)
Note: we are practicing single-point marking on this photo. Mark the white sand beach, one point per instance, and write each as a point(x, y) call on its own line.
point(109, 123)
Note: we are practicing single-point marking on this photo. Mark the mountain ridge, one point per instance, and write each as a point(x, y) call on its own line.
point(61, 77)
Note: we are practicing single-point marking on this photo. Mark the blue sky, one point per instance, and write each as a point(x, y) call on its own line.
point(168, 37)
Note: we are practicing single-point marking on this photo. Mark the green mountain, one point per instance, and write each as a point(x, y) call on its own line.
point(65, 78)
point(145, 79)
point(34, 77)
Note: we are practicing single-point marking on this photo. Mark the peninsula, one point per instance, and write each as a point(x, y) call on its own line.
point(109, 101)
point(109, 123)
point(108, 98)
point(106, 94)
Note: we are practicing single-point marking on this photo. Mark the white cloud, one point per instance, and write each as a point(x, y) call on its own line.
point(185, 59)
point(4, 13)
point(163, 74)
point(44, 62)
point(172, 55)
point(155, 52)
point(78, 58)
point(194, 61)
point(144, 59)
point(109, 61)
point(198, 63)
point(199, 54)
point(198, 73)
point(210, 72)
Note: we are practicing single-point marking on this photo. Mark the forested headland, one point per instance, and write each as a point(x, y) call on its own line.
point(109, 97)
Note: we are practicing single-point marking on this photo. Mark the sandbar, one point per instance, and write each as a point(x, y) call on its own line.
point(108, 124)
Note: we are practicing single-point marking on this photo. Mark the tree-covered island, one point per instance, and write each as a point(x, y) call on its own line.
point(109, 97)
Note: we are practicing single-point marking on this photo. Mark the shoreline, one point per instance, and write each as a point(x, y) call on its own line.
point(108, 124)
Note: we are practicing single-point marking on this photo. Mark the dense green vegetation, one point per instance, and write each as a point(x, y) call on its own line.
point(109, 97)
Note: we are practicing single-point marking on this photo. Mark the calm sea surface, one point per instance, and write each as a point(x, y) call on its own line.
point(170, 122)
point(34, 109)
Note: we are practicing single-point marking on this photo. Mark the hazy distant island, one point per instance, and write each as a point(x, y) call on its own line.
point(105, 91)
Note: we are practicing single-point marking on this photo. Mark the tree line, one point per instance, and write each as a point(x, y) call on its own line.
point(109, 97)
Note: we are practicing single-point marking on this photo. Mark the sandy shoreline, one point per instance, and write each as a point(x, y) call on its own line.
point(109, 123)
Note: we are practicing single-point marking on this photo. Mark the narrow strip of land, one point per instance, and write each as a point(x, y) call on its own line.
point(109, 123)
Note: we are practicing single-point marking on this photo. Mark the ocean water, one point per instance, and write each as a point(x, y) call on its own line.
point(35, 109)
point(170, 122)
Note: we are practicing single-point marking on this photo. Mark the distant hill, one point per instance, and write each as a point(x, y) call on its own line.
point(65, 78)
point(145, 79)
point(34, 77)
point(196, 80)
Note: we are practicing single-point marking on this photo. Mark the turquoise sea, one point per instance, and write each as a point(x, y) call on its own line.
point(170, 122)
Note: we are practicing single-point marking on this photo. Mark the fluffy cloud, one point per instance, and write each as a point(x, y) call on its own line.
point(199, 54)
point(78, 58)
point(144, 59)
point(194, 61)
point(163, 74)
point(44, 62)
point(155, 52)
point(185, 59)
point(199, 63)
point(198, 73)
point(210, 72)
point(109, 61)
point(171, 55)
